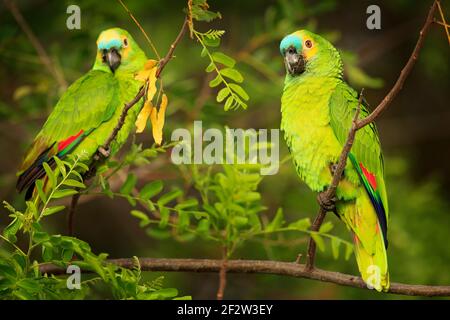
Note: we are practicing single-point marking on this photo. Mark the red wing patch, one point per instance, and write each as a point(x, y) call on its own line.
point(369, 176)
point(63, 144)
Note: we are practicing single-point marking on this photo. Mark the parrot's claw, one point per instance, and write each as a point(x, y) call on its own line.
point(325, 202)
point(333, 168)
point(104, 152)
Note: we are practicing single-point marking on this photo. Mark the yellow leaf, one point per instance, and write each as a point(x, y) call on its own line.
point(157, 119)
point(141, 120)
point(145, 73)
point(151, 90)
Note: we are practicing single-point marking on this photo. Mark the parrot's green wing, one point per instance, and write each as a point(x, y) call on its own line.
point(366, 156)
point(86, 104)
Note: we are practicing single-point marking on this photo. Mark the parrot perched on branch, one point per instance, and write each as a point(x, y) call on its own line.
point(89, 110)
point(317, 109)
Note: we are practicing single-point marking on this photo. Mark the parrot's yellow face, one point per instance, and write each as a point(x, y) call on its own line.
point(114, 47)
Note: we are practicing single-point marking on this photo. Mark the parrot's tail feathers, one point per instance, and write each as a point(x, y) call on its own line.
point(27, 179)
point(373, 267)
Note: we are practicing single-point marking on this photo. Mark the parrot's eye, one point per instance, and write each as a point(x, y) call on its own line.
point(308, 44)
point(125, 42)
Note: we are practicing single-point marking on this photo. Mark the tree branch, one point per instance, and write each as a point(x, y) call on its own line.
point(290, 269)
point(223, 274)
point(358, 124)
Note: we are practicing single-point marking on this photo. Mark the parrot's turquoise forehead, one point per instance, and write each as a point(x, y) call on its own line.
point(288, 41)
point(112, 43)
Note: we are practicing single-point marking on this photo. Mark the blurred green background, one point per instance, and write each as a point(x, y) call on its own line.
point(414, 131)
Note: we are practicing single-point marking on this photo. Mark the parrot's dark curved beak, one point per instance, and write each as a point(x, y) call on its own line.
point(294, 62)
point(112, 58)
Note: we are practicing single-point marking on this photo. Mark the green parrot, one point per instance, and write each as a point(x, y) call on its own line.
point(317, 110)
point(88, 111)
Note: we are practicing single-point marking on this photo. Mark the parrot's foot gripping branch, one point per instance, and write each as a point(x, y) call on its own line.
point(104, 152)
point(326, 202)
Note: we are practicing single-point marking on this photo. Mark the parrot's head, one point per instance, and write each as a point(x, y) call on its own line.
point(307, 53)
point(117, 51)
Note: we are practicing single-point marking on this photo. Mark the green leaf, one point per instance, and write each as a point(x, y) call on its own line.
point(51, 210)
point(50, 174)
point(228, 103)
point(233, 74)
point(277, 221)
point(211, 42)
point(215, 82)
point(183, 220)
point(158, 233)
point(141, 216)
point(187, 204)
point(165, 293)
point(223, 93)
point(326, 227)
point(203, 227)
point(67, 255)
point(240, 222)
point(40, 188)
point(223, 59)
point(319, 241)
point(171, 195)
point(165, 215)
point(210, 67)
point(74, 183)
point(129, 184)
point(203, 53)
point(61, 166)
point(11, 230)
point(151, 189)
point(348, 251)
point(82, 166)
point(335, 244)
point(301, 224)
point(239, 90)
point(40, 236)
point(63, 193)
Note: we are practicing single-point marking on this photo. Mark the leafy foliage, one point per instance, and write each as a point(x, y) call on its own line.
point(21, 275)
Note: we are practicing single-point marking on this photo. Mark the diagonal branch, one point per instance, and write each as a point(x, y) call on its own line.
point(290, 269)
point(358, 124)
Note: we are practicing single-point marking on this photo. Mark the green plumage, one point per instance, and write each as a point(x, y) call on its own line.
point(317, 112)
point(89, 110)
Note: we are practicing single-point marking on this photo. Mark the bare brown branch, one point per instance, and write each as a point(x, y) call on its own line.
point(290, 269)
point(223, 274)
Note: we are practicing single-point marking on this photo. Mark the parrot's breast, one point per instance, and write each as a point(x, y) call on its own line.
point(306, 124)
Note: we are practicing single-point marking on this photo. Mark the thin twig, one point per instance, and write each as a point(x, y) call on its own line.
point(290, 269)
point(444, 23)
point(43, 56)
point(169, 54)
point(223, 274)
point(358, 124)
point(71, 213)
point(150, 42)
